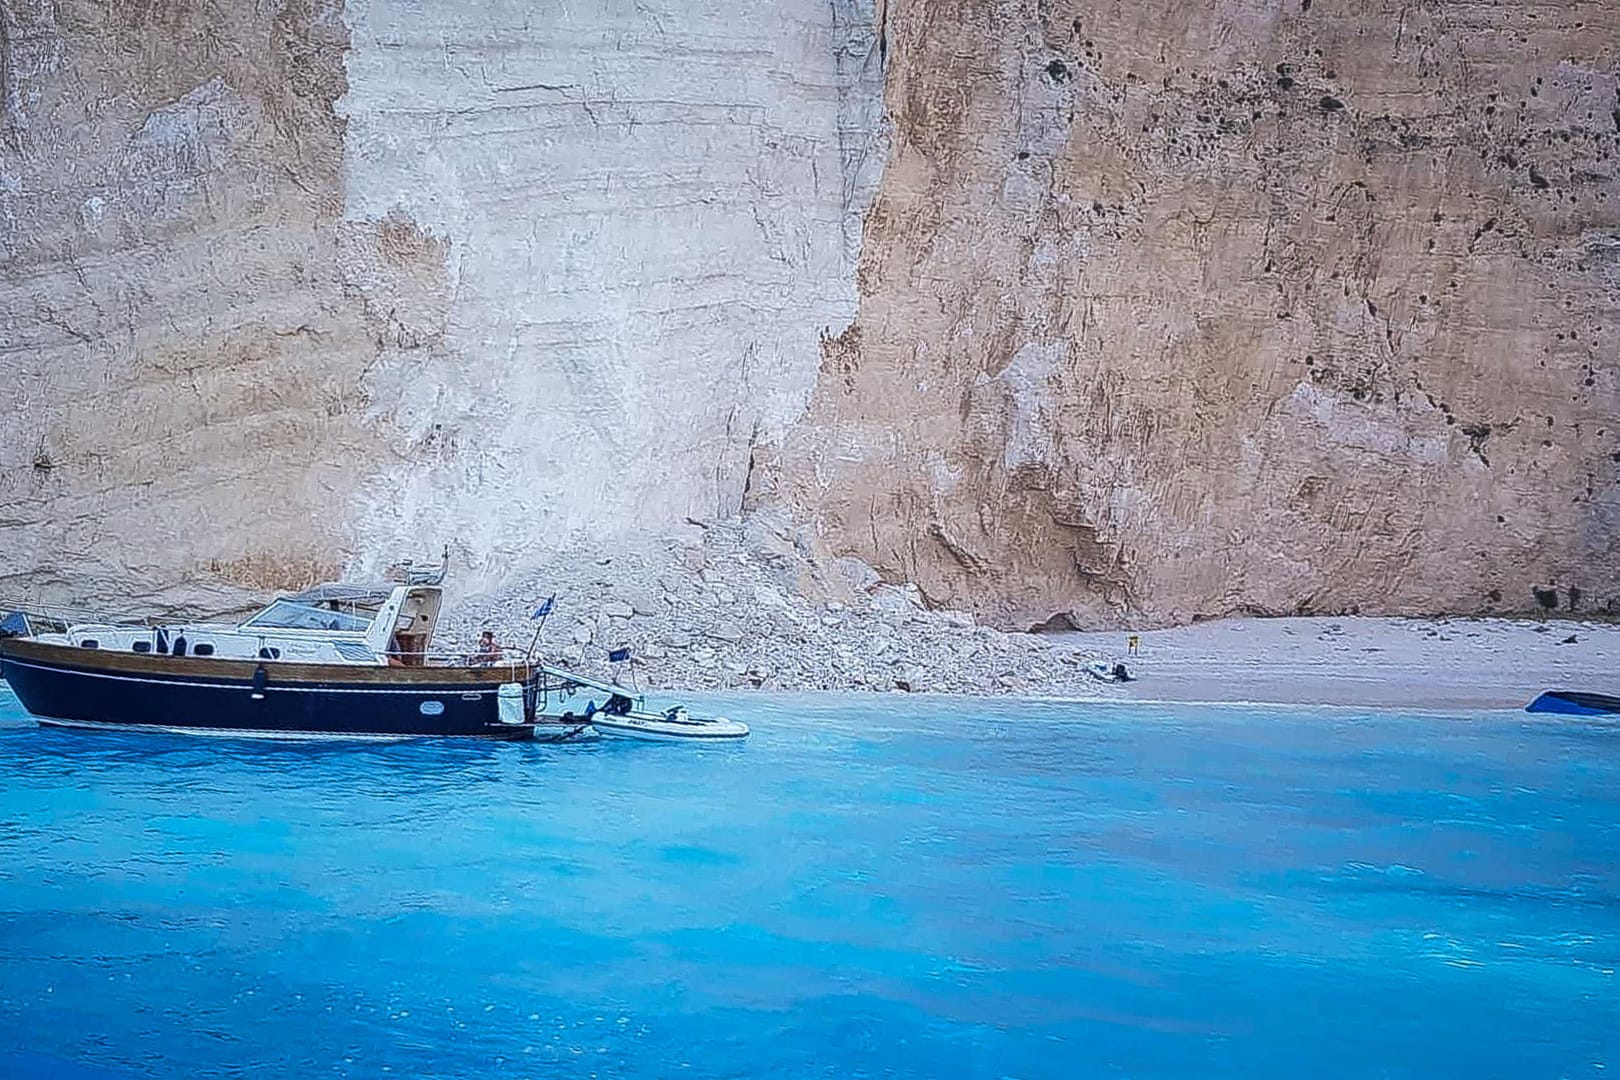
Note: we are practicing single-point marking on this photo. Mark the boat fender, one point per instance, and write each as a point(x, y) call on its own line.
point(261, 678)
point(509, 700)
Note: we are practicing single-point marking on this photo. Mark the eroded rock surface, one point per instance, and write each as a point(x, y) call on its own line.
point(296, 288)
point(1177, 310)
point(644, 212)
point(180, 365)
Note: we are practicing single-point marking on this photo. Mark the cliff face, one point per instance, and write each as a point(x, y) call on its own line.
point(643, 213)
point(180, 363)
point(299, 286)
point(1093, 310)
point(1169, 312)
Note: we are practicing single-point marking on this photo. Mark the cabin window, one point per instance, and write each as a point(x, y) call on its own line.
point(202, 648)
point(141, 646)
point(89, 643)
point(287, 615)
point(269, 652)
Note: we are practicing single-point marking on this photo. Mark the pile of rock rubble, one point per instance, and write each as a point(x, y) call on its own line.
point(755, 603)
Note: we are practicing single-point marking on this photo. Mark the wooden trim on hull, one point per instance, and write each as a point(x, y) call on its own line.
point(205, 667)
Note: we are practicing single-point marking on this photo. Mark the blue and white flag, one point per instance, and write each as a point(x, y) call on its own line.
point(545, 607)
point(618, 656)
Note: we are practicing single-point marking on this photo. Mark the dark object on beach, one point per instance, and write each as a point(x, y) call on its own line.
point(1105, 672)
point(1575, 703)
point(1572, 639)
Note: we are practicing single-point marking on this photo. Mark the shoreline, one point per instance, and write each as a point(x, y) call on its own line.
point(1467, 664)
point(1363, 661)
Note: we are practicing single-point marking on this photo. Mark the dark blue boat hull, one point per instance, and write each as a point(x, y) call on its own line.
point(254, 701)
point(1575, 703)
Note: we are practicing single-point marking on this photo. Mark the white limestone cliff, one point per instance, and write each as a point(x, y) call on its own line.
point(305, 288)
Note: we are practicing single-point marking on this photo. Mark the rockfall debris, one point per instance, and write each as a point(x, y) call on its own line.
point(757, 603)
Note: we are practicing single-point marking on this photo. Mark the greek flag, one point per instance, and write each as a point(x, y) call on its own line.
point(545, 607)
point(618, 656)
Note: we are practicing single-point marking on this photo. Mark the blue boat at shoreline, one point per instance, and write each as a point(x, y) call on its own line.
point(1575, 703)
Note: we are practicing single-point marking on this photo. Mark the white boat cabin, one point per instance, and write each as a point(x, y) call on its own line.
point(328, 624)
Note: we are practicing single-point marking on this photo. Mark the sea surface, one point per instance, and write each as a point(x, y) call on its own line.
point(873, 886)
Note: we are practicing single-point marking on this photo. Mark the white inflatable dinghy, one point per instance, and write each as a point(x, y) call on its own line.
point(676, 723)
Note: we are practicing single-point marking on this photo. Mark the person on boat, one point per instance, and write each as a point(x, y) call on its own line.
point(488, 652)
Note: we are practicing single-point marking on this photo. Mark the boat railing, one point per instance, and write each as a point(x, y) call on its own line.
point(440, 658)
point(54, 618)
point(408, 572)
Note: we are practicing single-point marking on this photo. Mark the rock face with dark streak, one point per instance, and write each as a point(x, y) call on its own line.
point(1173, 310)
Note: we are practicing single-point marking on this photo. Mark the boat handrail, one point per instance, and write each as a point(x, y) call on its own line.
point(407, 572)
point(456, 659)
point(71, 616)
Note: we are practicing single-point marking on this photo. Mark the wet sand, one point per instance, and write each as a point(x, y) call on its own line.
point(1375, 662)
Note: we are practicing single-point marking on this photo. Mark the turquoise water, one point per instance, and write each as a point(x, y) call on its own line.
point(871, 886)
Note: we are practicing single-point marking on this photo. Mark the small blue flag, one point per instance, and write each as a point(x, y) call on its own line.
point(618, 656)
point(545, 607)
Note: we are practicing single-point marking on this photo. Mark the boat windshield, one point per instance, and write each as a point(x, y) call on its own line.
point(286, 615)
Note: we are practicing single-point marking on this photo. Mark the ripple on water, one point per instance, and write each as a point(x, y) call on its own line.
point(905, 887)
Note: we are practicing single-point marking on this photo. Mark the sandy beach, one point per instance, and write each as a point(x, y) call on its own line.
point(1374, 662)
point(735, 605)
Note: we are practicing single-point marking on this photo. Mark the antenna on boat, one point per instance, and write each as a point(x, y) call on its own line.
point(541, 613)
